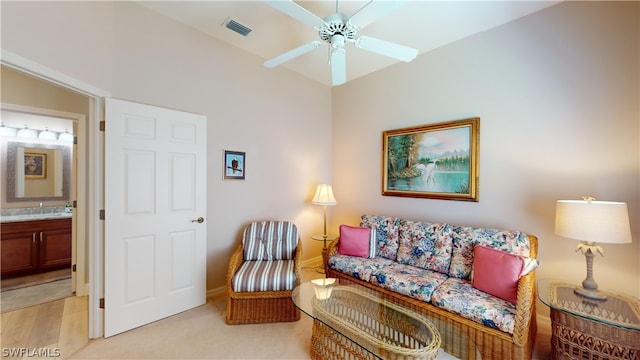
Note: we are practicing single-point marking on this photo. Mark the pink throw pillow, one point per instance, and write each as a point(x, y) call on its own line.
point(497, 272)
point(357, 241)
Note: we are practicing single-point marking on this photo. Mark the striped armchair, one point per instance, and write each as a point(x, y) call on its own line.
point(263, 271)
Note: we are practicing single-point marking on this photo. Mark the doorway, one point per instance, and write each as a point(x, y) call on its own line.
point(32, 101)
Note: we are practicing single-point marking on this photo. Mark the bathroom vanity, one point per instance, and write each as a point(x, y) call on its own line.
point(34, 244)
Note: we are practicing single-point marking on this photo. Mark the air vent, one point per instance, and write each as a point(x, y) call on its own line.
point(237, 27)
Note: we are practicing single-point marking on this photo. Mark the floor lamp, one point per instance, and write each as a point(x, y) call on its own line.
point(324, 197)
point(592, 222)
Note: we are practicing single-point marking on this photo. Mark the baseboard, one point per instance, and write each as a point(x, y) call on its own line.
point(544, 324)
point(313, 262)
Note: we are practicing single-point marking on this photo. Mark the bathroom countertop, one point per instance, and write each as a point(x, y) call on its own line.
point(33, 217)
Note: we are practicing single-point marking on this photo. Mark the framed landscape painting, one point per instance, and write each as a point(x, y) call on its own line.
point(437, 161)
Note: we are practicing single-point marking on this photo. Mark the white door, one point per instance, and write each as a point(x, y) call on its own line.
point(155, 248)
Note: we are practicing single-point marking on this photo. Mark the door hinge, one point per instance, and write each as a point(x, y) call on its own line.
point(75, 204)
point(75, 140)
point(102, 214)
point(102, 125)
point(73, 268)
point(101, 305)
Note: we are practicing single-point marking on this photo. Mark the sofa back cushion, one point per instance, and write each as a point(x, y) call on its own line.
point(425, 245)
point(466, 238)
point(386, 233)
point(270, 240)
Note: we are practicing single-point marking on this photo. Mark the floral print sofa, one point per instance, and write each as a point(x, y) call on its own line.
point(429, 268)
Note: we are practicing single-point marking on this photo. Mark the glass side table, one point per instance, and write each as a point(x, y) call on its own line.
point(583, 328)
point(326, 239)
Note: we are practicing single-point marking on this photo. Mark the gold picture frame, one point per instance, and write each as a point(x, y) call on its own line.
point(435, 161)
point(35, 165)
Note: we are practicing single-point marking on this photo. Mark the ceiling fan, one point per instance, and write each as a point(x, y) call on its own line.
point(336, 30)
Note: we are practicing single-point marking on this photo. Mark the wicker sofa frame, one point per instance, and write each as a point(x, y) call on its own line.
point(492, 343)
point(255, 307)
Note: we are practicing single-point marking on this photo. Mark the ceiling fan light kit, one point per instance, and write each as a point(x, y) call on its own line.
point(336, 30)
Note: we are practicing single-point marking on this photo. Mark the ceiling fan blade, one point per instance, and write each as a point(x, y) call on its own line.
point(372, 11)
point(293, 53)
point(386, 48)
point(338, 66)
point(297, 12)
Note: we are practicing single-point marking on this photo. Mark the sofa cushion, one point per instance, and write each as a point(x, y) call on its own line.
point(387, 234)
point(357, 241)
point(425, 245)
point(270, 240)
point(359, 268)
point(460, 297)
point(466, 238)
point(408, 280)
point(277, 275)
point(497, 272)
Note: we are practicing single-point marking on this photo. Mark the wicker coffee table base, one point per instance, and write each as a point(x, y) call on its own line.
point(327, 343)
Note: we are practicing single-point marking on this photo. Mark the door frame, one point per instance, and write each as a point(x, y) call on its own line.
point(94, 174)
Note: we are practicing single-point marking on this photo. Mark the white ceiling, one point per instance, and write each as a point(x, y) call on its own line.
point(424, 25)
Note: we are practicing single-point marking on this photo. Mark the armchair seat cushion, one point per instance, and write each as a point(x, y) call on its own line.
point(276, 275)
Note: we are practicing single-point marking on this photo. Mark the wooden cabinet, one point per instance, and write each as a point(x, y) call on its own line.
point(29, 247)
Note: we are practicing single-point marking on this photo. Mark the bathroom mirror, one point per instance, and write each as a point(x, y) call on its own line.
point(37, 172)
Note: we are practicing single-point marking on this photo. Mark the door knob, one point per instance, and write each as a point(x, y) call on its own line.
point(199, 220)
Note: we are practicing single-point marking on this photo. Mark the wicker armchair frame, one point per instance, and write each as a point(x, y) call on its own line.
point(256, 307)
point(492, 343)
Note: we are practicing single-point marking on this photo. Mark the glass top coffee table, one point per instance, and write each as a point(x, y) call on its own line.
point(354, 322)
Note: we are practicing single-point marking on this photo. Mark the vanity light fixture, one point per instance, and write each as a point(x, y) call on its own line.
point(47, 135)
point(27, 133)
point(65, 136)
point(7, 131)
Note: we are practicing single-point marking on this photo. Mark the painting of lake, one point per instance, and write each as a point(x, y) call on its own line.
point(431, 160)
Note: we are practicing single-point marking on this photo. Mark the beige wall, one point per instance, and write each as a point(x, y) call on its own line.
point(280, 119)
point(558, 97)
point(557, 94)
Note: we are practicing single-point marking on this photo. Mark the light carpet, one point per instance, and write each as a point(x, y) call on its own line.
point(201, 333)
point(33, 295)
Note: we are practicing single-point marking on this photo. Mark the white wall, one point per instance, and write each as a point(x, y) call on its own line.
point(558, 97)
point(280, 119)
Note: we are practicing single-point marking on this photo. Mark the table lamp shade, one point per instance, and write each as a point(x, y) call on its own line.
point(593, 221)
point(324, 195)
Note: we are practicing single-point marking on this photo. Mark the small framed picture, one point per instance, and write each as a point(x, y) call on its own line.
point(35, 165)
point(234, 165)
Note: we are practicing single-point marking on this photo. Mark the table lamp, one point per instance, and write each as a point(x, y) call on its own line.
point(324, 197)
point(592, 222)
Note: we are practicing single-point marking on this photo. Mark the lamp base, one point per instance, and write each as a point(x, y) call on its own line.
point(591, 294)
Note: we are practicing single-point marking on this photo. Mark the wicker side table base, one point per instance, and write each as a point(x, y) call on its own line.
point(573, 337)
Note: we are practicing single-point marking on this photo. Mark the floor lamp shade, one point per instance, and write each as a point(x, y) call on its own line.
point(324, 195)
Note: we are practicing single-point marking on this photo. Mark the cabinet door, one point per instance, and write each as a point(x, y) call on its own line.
point(55, 248)
point(19, 253)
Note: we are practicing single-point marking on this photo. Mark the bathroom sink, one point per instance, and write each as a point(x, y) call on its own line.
point(28, 217)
